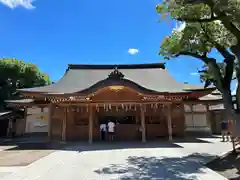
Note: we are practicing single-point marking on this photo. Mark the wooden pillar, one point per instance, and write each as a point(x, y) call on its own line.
point(64, 125)
point(9, 131)
point(25, 121)
point(50, 113)
point(192, 115)
point(208, 117)
point(143, 125)
point(169, 119)
point(90, 125)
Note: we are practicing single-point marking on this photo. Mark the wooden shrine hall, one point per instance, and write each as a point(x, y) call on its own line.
point(134, 96)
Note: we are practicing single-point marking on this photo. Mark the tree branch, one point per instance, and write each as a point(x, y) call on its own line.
point(214, 18)
point(229, 60)
point(204, 58)
point(212, 65)
point(195, 1)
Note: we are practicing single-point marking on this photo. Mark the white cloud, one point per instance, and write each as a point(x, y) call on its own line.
point(133, 51)
point(194, 73)
point(16, 3)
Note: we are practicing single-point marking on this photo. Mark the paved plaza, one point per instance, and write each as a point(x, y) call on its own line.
point(181, 159)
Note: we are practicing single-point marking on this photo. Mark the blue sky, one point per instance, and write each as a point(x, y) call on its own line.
point(54, 33)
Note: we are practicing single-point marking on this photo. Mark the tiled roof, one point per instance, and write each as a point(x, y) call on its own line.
point(147, 77)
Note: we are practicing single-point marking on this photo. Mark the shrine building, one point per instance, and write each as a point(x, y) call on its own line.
point(131, 95)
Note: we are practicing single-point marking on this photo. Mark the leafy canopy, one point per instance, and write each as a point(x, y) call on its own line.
point(16, 74)
point(197, 38)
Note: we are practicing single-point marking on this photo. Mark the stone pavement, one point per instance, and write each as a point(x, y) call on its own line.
point(126, 161)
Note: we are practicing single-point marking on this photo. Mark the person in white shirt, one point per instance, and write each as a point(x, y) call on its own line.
point(103, 129)
point(111, 130)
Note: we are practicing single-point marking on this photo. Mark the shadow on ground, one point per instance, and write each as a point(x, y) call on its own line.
point(228, 166)
point(134, 145)
point(25, 144)
point(144, 168)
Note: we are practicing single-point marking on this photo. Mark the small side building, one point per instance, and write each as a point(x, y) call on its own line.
point(10, 122)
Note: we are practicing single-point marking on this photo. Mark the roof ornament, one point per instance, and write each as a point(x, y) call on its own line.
point(116, 74)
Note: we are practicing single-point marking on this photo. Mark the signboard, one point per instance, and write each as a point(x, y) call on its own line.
point(42, 118)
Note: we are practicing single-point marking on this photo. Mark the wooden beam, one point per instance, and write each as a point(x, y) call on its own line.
point(112, 103)
point(90, 125)
point(212, 102)
point(196, 112)
point(169, 119)
point(143, 124)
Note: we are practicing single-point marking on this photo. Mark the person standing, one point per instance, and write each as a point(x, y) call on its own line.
point(139, 132)
point(103, 129)
point(111, 130)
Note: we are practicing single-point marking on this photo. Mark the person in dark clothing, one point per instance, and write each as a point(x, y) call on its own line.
point(103, 129)
point(224, 129)
point(139, 132)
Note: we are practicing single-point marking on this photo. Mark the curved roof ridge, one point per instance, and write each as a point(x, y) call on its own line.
point(119, 66)
point(111, 82)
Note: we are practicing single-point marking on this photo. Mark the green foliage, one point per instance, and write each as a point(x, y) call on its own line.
point(16, 74)
point(219, 17)
point(205, 10)
point(179, 11)
point(206, 29)
point(207, 77)
point(198, 38)
point(190, 39)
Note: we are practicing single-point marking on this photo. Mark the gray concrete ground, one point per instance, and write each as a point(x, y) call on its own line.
point(126, 161)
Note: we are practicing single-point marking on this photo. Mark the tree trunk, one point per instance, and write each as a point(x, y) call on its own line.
point(238, 97)
point(236, 51)
point(228, 105)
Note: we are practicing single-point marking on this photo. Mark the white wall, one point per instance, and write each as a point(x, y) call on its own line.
point(34, 122)
point(196, 108)
point(196, 121)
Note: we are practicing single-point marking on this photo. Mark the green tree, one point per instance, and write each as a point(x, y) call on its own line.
point(15, 74)
point(198, 40)
point(223, 12)
point(201, 11)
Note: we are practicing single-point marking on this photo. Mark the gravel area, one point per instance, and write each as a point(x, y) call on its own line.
point(21, 157)
point(23, 154)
